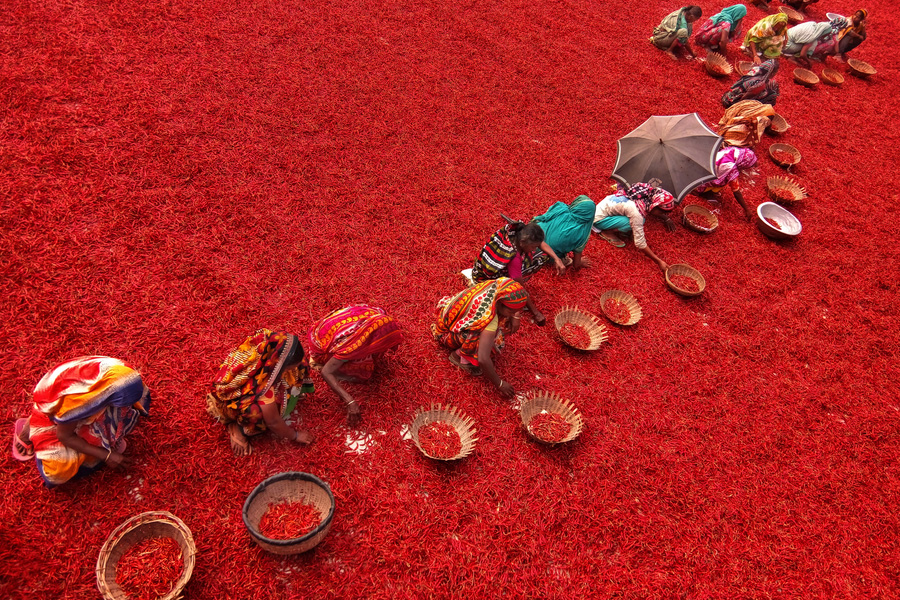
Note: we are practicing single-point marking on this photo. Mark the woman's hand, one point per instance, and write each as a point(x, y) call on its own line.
point(116, 460)
point(354, 416)
point(669, 224)
point(539, 319)
point(304, 437)
point(560, 267)
point(506, 390)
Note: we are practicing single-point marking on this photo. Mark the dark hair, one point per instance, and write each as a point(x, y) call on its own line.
point(694, 10)
point(530, 234)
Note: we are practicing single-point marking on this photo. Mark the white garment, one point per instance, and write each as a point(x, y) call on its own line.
point(613, 206)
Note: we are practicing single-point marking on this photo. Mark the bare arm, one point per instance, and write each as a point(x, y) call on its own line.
point(560, 267)
point(485, 344)
point(329, 374)
point(539, 317)
point(275, 423)
point(754, 52)
point(65, 433)
point(659, 262)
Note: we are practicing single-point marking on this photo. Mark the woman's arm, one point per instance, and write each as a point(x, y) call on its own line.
point(276, 425)
point(65, 433)
point(560, 267)
point(664, 217)
point(754, 53)
point(485, 345)
point(329, 374)
point(659, 262)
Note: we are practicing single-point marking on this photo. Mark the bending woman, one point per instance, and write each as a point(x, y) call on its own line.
point(803, 39)
point(567, 228)
point(731, 162)
point(759, 84)
point(767, 37)
point(721, 28)
point(744, 122)
point(473, 322)
point(675, 30)
point(515, 251)
point(83, 409)
point(853, 34)
point(253, 388)
point(344, 344)
point(627, 211)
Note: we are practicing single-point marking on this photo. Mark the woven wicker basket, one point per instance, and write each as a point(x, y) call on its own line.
point(693, 209)
point(832, 77)
point(153, 524)
point(687, 271)
point(292, 486)
point(784, 190)
point(537, 402)
point(575, 316)
point(784, 148)
point(778, 124)
point(860, 68)
point(717, 65)
point(792, 15)
point(805, 77)
point(436, 413)
point(742, 67)
point(634, 309)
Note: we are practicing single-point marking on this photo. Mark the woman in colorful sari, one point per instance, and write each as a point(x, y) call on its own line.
point(721, 28)
point(518, 251)
point(759, 84)
point(567, 228)
point(473, 322)
point(344, 345)
point(744, 122)
point(853, 34)
point(675, 30)
point(767, 37)
point(803, 39)
point(83, 409)
point(257, 387)
point(731, 162)
point(627, 211)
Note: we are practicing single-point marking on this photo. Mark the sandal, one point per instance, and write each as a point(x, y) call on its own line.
point(454, 358)
point(21, 451)
point(614, 241)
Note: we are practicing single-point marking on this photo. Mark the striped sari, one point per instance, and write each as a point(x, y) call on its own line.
point(501, 258)
point(355, 335)
point(463, 317)
point(102, 396)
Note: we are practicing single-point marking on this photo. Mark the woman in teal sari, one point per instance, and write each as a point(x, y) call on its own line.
point(567, 228)
point(722, 27)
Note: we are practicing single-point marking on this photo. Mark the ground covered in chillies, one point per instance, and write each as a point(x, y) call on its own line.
point(176, 175)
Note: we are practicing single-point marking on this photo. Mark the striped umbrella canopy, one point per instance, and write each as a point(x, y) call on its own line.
point(679, 150)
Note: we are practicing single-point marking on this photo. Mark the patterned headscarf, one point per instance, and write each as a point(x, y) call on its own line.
point(255, 366)
point(647, 197)
point(475, 307)
point(765, 27)
point(838, 23)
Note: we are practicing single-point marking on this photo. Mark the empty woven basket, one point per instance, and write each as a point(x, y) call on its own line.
point(536, 403)
point(778, 124)
point(805, 77)
point(572, 315)
point(792, 15)
point(153, 524)
point(832, 77)
point(292, 486)
point(629, 301)
point(436, 413)
point(860, 68)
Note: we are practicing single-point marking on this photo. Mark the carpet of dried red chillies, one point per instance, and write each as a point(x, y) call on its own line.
point(289, 520)
point(440, 440)
point(177, 175)
point(150, 568)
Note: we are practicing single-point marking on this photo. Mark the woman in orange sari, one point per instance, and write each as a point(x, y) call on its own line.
point(744, 122)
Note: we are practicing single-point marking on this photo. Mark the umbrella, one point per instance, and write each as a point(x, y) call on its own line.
point(679, 150)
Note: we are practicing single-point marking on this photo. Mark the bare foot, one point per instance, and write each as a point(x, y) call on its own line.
point(240, 445)
point(671, 55)
point(305, 437)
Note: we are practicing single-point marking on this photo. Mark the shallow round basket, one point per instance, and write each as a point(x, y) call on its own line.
point(634, 309)
point(795, 154)
point(742, 67)
point(717, 65)
point(784, 190)
point(805, 77)
point(292, 486)
point(536, 403)
point(789, 224)
point(591, 324)
point(832, 77)
point(436, 413)
point(792, 15)
point(687, 271)
point(860, 68)
point(778, 124)
point(693, 209)
point(153, 524)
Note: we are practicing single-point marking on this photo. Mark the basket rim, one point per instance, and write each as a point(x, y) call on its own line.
point(860, 66)
point(594, 320)
point(450, 411)
point(701, 283)
point(290, 476)
point(535, 395)
point(608, 294)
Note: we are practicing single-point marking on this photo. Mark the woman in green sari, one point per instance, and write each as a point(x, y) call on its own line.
point(567, 228)
point(675, 30)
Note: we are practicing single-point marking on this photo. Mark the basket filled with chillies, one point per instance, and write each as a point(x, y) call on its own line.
point(620, 307)
point(579, 329)
point(778, 124)
point(784, 155)
point(443, 432)
point(549, 419)
point(699, 219)
point(150, 556)
point(289, 513)
point(685, 280)
point(717, 65)
point(742, 67)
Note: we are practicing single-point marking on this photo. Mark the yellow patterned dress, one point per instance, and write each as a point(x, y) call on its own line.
point(355, 335)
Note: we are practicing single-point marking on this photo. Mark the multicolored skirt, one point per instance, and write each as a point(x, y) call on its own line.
point(710, 34)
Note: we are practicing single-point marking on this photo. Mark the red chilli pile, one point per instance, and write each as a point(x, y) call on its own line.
point(683, 282)
point(289, 520)
point(440, 440)
point(575, 335)
point(773, 223)
point(699, 221)
point(617, 310)
point(150, 568)
point(549, 427)
point(783, 157)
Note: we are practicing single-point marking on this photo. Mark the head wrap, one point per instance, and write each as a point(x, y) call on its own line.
point(511, 294)
point(838, 23)
point(646, 198)
point(475, 307)
point(255, 366)
point(732, 14)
